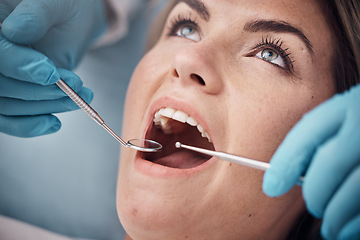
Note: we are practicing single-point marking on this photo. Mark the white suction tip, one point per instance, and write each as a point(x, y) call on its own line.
point(178, 145)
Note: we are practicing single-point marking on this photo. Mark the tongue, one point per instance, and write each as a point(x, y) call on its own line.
point(181, 160)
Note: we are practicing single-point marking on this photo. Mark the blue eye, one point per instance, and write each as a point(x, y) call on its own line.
point(272, 56)
point(184, 27)
point(188, 31)
point(271, 50)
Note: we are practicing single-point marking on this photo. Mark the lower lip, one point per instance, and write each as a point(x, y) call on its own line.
point(160, 171)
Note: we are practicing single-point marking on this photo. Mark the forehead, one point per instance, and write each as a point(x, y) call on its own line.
point(282, 6)
point(287, 9)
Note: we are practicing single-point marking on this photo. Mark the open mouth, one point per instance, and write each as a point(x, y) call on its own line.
point(171, 126)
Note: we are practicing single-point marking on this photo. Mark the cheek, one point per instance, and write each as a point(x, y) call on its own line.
point(141, 80)
point(140, 90)
point(150, 73)
point(264, 115)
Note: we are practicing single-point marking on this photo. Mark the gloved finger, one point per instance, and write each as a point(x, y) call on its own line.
point(26, 64)
point(12, 88)
point(62, 30)
point(29, 126)
point(30, 21)
point(333, 162)
point(18, 107)
point(351, 231)
point(343, 207)
point(293, 156)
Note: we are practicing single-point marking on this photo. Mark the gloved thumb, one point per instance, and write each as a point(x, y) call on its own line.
point(29, 22)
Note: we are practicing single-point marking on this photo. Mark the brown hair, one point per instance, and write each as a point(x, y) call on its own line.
point(344, 17)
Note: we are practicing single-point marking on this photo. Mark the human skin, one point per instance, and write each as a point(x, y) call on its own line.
point(245, 103)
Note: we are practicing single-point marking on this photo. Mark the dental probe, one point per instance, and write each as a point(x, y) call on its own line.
point(143, 145)
point(232, 158)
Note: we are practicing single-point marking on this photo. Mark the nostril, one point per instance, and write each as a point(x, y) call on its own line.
point(197, 78)
point(175, 73)
point(193, 77)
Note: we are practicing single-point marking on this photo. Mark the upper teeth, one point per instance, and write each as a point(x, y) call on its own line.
point(162, 117)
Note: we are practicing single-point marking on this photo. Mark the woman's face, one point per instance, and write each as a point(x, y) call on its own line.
point(245, 72)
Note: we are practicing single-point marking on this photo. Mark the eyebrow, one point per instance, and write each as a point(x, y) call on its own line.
point(199, 7)
point(263, 25)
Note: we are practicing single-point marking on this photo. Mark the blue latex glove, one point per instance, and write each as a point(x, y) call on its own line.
point(26, 108)
point(32, 33)
point(326, 145)
point(60, 29)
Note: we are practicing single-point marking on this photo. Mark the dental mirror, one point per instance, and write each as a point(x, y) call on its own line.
point(143, 145)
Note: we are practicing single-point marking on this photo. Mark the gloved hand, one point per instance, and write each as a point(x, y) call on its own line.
point(26, 108)
point(325, 145)
point(33, 32)
point(60, 29)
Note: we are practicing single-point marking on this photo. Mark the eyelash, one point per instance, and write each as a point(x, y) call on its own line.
point(268, 42)
point(276, 45)
point(179, 21)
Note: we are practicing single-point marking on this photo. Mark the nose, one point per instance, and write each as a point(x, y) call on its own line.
point(194, 66)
